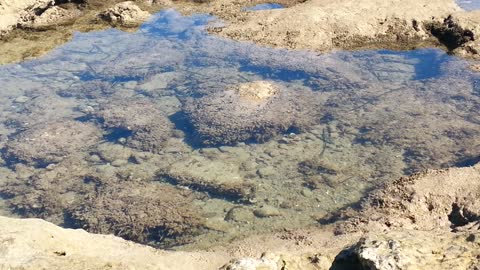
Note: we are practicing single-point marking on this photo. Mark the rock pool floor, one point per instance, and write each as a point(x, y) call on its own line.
point(384, 114)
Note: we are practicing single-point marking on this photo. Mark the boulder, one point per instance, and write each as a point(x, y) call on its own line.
point(254, 111)
point(124, 14)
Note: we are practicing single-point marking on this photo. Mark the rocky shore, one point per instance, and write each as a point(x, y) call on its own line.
point(429, 220)
point(426, 221)
point(30, 28)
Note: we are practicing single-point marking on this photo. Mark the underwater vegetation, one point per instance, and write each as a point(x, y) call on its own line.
point(172, 137)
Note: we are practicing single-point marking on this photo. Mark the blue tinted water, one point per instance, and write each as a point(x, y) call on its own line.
point(264, 7)
point(469, 4)
point(386, 113)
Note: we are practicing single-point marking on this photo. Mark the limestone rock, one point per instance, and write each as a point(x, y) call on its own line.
point(33, 244)
point(405, 249)
point(216, 177)
point(125, 14)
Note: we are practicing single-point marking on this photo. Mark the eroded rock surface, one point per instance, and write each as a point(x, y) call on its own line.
point(254, 111)
point(216, 177)
point(324, 25)
point(125, 14)
point(429, 201)
point(407, 249)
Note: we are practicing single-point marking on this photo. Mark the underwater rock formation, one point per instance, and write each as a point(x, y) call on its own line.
point(215, 177)
point(48, 193)
point(148, 126)
point(47, 143)
point(254, 111)
point(143, 212)
point(90, 90)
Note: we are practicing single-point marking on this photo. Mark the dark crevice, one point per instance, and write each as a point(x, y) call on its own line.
point(450, 33)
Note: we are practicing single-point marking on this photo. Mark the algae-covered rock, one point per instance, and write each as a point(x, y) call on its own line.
point(48, 193)
point(46, 143)
point(215, 177)
point(254, 111)
point(143, 212)
point(148, 126)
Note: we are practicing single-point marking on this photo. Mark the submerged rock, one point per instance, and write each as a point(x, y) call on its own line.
point(252, 111)
point(51, 142)
point(215, 177)
point(140, 211)
point(125, 14)
point(148, 126)
point(48, 193)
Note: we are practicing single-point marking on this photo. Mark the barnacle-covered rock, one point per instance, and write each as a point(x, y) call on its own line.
point(254, 111)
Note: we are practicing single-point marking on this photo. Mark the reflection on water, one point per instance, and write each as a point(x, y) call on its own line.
point(469, 4)
point(158, 137)
point(264, 7)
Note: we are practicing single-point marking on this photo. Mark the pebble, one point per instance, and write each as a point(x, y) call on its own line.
point(218, 224)
point(240, 214)
point(307, 192)
point(86, 109)
point(50, 167)
point(119, 163)
point(267, 211)
point(21, 99)
point(94, 158)
point(266, 171)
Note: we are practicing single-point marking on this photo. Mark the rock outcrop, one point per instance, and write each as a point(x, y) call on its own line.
point(33, 244)
point(254, 111)
point(124, 14)
point(325, 25)
point(407, 249)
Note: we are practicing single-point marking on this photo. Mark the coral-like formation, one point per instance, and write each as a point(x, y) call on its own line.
point(149, 127)
point(47, 143)
point(254, 111)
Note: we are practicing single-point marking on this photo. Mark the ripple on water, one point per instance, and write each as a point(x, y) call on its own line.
point(177, 159)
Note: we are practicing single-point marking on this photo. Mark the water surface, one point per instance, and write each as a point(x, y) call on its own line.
point(385, 114)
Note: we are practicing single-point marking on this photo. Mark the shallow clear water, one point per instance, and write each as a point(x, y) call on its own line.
point(469, 4)
point(383, 114)
point(264, 7)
